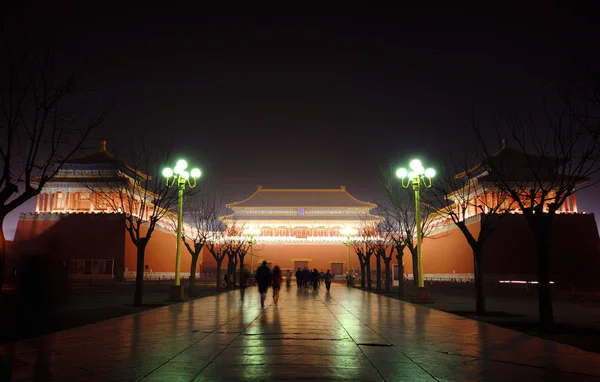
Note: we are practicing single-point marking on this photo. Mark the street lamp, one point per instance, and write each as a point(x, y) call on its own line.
point(180, 177)
point(416, 176)
point(348, 232)
point(252, 233)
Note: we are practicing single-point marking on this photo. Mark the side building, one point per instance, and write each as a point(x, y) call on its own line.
point(85, 235)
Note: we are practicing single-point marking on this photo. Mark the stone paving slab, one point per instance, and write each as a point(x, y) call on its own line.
point(346, 334)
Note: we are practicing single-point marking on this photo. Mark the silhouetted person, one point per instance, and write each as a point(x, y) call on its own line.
point(263, 278)
point(314, 276)
point(277, 279)
point(244, 280)
point(288, 278)
point(305, 277)
point(299, 279)
point(328, 277)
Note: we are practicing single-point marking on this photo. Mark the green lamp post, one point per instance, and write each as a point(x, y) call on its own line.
point(180, 177)
point(417, 176)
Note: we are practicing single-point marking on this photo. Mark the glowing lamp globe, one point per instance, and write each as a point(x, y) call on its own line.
point(420, 170)
point(181, 164)
point(185, 175)
point(195, 173)
point(415, 164)
point(401, 173)
point(167, 172)
point(430, 173)
point(412, 175)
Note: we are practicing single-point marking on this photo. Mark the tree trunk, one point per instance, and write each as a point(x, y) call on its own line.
point(3, 253)
point(368, 266)
point(478, 265)
point(388, 274)
point(362, 272)
point(219, 263)
point(415, 264)
point(378, 270)
point(400, 274)
point(546, 311)
point(233, 271)
point(192, 289)
point(139, 274)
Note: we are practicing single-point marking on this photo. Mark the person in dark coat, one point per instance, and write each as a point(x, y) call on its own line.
point(263, 278)
point(328, 277)
point(299, 279)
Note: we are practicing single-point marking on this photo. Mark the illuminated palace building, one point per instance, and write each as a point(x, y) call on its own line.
point(295, 228)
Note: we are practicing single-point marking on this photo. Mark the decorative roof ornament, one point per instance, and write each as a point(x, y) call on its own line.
point(103, 146)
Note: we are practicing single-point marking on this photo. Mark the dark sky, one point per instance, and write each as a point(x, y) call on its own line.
point(314, 97)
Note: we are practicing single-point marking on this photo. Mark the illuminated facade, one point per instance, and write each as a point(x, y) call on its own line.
point(292, 228)
point(301, 215)
point(297, 228)
point(480, 193)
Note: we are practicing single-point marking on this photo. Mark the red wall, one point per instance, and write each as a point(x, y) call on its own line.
point(160, 252)
point(74, 236)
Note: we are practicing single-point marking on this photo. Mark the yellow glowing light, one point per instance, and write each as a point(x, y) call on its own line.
point(430, 173)
point(167, 172)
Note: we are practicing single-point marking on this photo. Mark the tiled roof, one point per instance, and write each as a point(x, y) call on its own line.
point(103, 157)
point(99, 157)
point(510, 160)
point(264, 197)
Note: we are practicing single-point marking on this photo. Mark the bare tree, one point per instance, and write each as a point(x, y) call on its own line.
point(359, 248)
point(389, 230)
point(462, 198)
point(203, 218)
point(218, 248)
point(45, 118)
point(237, 248)
point(557, 154)
point(364, 247)
point(143, 200)
point(400, 211)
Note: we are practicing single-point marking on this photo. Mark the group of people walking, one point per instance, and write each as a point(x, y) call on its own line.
point(264, 278)
point(306, 278)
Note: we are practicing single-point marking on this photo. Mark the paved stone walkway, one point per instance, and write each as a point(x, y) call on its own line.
point(346, 334)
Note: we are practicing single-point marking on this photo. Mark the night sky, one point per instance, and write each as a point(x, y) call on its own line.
point(313, 97)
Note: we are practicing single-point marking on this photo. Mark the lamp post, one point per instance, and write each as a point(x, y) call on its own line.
point(348, 232)
point(416, 176)
point(252, 233)
point(180, 177)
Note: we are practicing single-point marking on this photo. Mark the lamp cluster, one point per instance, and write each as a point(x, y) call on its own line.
point(180, 171)
point(416, 170)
